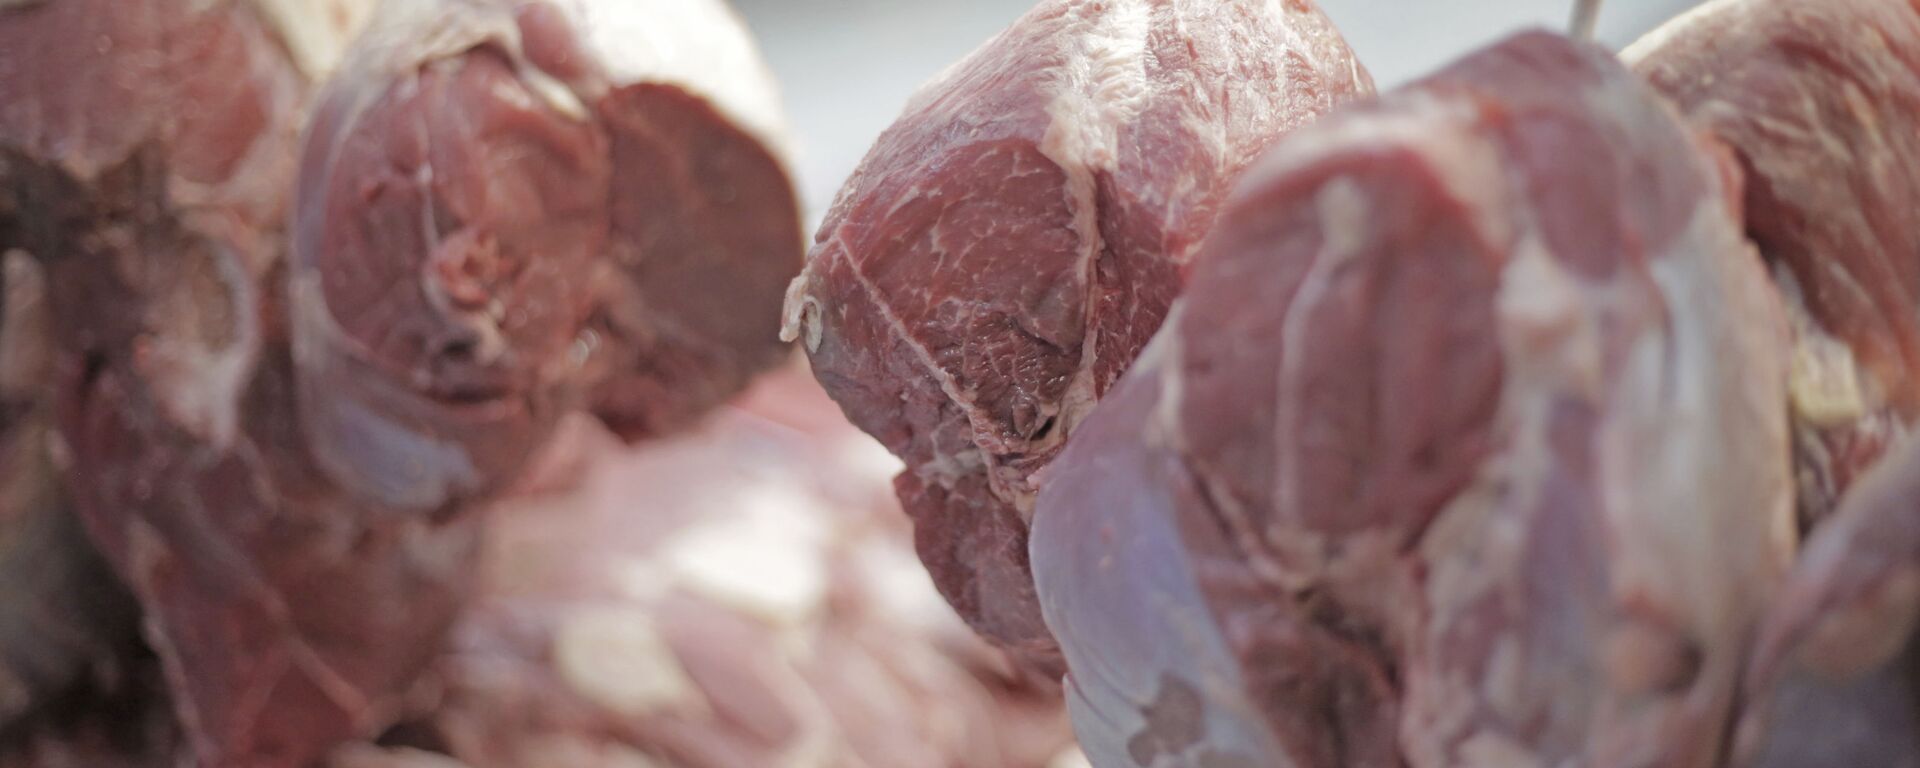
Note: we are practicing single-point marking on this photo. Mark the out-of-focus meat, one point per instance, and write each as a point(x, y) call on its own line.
point(1465, 447)
point(151, 167)
point(1007, 247)
point(63, 617)
point(1818, 101)
point(742, 595)
point(1836, 675)
point(296, 517)
point(511, 206)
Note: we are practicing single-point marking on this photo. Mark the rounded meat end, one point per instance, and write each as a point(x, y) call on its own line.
point(445, 241)
point(706, 236)
point(1448, 438)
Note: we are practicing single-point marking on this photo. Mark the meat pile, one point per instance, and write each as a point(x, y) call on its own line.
point(1007, 247)
point(286, 330)
point(1550, 410)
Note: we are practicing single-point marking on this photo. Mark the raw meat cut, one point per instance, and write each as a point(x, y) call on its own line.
point(1005, 249)
point(510, 206)
point(1464, 447)
point(1815, 99)
point(743, 595)
point(1836, 675)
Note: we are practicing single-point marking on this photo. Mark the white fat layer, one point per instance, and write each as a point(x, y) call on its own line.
point(800, 313)
point(1701, 429)
point(699, 44)
point(765, 561)
point(617, 658)
point(1711, 11)
point(1825, 382)
point(316, 32)
point(404, 35)
point(202, 386)
point(1100, 85)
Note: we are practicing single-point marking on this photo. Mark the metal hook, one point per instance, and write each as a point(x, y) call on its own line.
point(1586, 13)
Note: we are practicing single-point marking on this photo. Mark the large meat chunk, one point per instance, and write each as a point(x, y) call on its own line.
point(1007, 247)
point(1464, 447)
point(511, 206)
point(743, 595)
point(1818, 100)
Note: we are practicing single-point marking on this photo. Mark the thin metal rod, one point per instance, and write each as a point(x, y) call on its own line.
point(1586, 13)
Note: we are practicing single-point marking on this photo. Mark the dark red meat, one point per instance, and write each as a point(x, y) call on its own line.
point(1464, 447)
point(1818, 100)
point(1010, 243)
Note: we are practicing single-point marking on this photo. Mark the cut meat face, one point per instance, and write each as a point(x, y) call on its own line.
point(551, 203)
point(1464, 447)
point(1815, 100)
point(1005, 249)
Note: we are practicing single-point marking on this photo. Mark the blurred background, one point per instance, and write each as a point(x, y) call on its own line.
point(847, 66)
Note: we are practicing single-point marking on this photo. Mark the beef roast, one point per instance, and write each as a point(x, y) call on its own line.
point(743, 595)
point(1464, 447)
point(511, 206)
point(1005, 249)
point(1817, 100)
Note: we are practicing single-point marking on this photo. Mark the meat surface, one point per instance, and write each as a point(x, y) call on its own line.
point(1464, 447)
point(743, 595)
point(297, 515)
point(509, 207)
point(1812, 97)
point(1007, 247)
point(1835, 679)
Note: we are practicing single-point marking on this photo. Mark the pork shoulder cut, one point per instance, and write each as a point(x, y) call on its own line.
point(1464, 447)
point(1008, 245)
